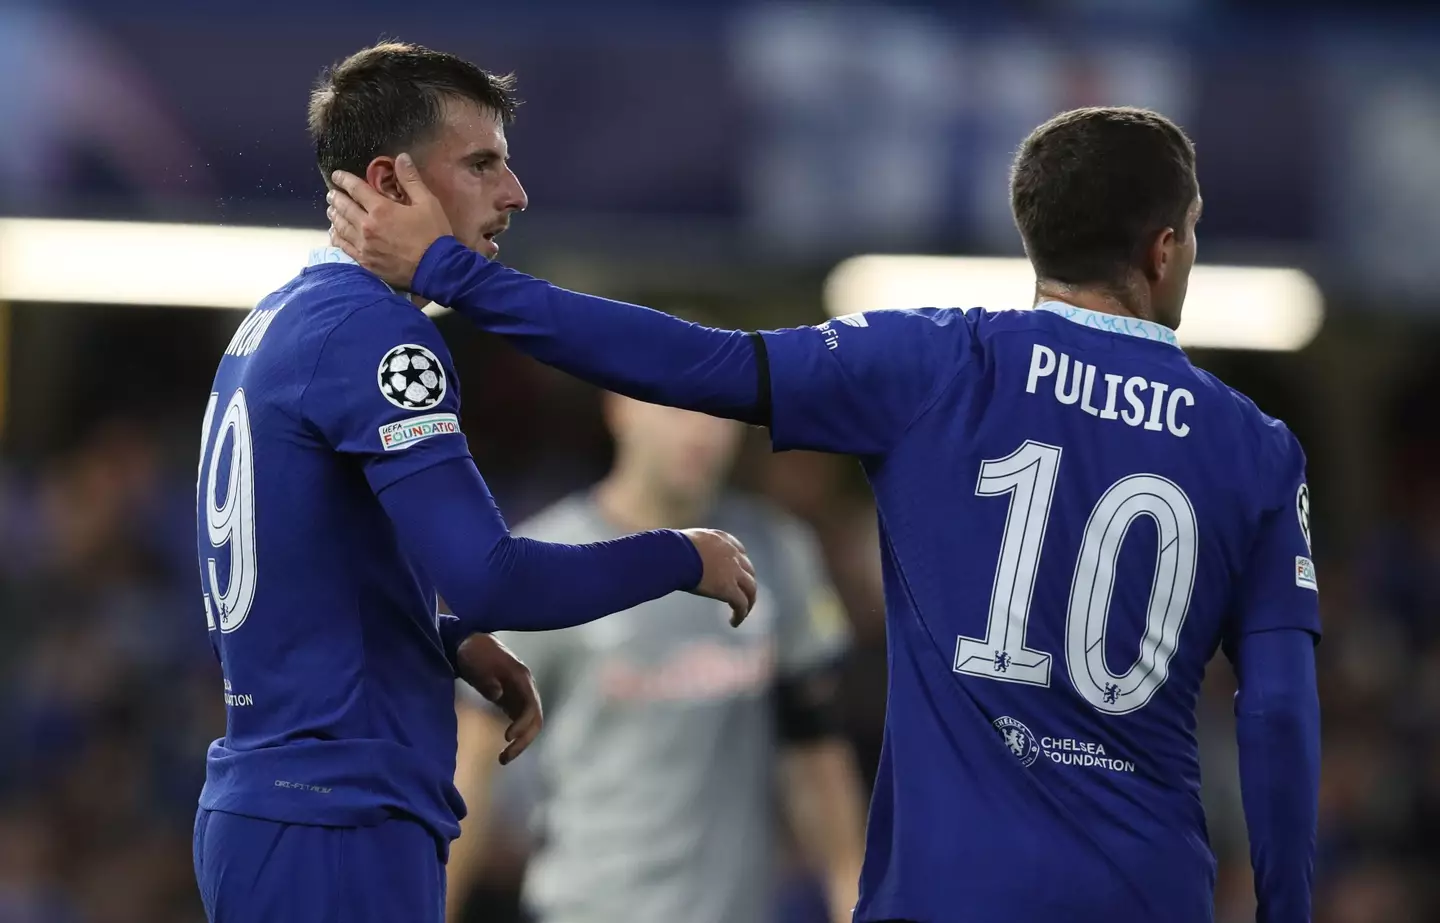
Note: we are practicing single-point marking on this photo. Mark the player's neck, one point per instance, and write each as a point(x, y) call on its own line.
point(1102, 301)
point(628, 502)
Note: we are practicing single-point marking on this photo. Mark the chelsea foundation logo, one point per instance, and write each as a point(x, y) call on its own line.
point(1019, 739)
point(1062, 751)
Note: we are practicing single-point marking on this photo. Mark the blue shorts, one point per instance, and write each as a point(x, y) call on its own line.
point(260, 871)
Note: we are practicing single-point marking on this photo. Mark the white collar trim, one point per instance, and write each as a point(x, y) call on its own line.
point(1111, 323)
point(321, 255)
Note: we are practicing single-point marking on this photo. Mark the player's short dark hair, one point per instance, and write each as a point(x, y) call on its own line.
point(386, 98)
point(1091, 187)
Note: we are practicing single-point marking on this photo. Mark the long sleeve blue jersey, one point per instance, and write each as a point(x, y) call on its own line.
point(1073, 520)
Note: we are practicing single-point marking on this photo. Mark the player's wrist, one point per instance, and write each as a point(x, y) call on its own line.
point(692, 565)
point(453, 635)
point(430, 272)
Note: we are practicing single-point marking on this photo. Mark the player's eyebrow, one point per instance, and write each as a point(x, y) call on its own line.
point(485, 157)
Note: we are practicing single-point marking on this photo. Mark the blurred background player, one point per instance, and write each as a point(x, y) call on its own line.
point(667, 731)
point(1040, 758)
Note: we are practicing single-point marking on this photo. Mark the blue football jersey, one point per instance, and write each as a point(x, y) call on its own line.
point(1073, 519)
point(338, 691)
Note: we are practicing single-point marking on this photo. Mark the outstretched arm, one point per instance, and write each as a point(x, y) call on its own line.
point(626, 348)
point(854, 385)
point(631, 350)
point(403, 435)
point(445, 517)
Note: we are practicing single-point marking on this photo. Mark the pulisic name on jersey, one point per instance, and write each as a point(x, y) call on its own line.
point(1133, 400)
point(404, 433)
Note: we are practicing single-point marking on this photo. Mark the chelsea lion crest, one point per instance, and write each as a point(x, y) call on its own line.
point(1019, 739)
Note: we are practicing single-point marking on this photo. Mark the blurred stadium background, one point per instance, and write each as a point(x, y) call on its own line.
point(707, 155)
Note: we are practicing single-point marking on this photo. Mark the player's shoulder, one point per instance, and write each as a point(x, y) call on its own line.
point(1270, 434)
point(1273, 450)
point(327, 297)
point(931, 337)
point(346, 296)
point(912, 322)
point(339, 325)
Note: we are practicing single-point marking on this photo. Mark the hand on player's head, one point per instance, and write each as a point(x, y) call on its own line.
point(728, 574)
point(386, 237)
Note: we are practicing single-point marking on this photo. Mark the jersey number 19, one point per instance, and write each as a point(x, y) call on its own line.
point(229, 512)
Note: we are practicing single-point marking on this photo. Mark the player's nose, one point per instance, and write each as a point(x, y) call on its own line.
point(515, 197)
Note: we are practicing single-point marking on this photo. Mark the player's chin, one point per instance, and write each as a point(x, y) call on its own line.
point(488, 248)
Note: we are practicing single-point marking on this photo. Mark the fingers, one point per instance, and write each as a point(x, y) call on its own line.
point(339, 240)
point(342, 225)
point(344, 217)
point(741, 555)
point(744, 581)
point(357, 189)
point(728, 574)
point(524, 728)
point(345, 207)
point(741, 598)
point(750, 588)
point(519, 745)
point(734, 597)
point(409, 177)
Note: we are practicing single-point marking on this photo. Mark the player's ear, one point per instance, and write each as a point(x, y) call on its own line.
point(1160, 254)
point(381, 177)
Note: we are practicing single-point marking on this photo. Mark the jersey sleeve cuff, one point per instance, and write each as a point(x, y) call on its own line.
point(689, 560)
point(452, 634)
point(440, 256)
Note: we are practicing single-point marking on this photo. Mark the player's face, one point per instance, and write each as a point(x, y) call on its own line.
point(1176, 259)
point(466, 165)
point(684, 454)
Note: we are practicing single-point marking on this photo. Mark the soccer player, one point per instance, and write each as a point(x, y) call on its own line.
point(656, 771)
point(1128, 513)
point(336, 494)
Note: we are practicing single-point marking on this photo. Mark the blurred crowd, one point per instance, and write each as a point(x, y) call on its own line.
point(109, 693)
point(1379, 671)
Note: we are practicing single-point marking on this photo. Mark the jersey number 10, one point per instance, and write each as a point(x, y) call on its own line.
point(230, 522)
point(1028, 476)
